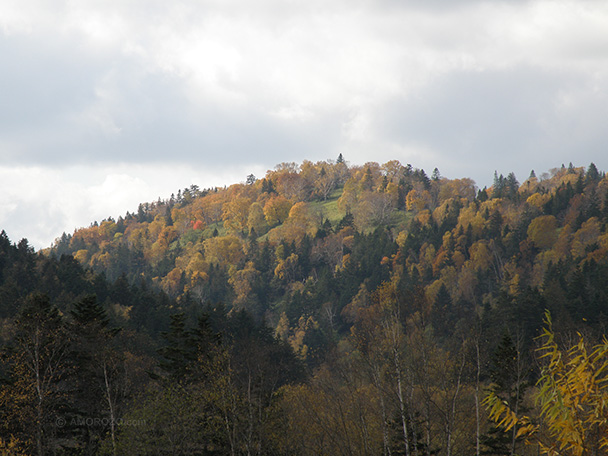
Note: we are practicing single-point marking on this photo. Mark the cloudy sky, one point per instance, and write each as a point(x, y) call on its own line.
point(108, 103)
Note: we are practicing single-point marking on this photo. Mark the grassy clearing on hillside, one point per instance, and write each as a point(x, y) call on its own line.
point(329, 208)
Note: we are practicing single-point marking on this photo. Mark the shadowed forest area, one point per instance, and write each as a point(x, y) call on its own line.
point(323, 309)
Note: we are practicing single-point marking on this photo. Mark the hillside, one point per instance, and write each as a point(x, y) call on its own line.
point(315, 239)
point(335, 309)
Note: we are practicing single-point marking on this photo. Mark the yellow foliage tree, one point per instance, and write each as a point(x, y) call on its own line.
point(423, 217)
point(276, 210)
point(537, 200)
point(543, 231)
point(209, 208)
point(571, 400)
point(299, 222)
point(481, 256)
point(393, 170)
point(158, 250)
point(585, 236)
point(350, 196)
point(458, 188)
point(417, 200)
point(236, 213)
point(242, 282)
point(290, 184)
point(225, 250)
point(256, 219)
point(171, 283)
point(470, 216)
point(81, 256)
point(288, 269)
point(107, 230)
point(282, 329)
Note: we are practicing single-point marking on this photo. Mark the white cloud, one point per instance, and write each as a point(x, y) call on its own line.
point(41, 203)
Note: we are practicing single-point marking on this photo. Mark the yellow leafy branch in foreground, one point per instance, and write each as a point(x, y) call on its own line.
point(571, 401)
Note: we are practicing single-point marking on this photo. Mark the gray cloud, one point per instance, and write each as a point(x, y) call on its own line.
point(40, 83)
point(516, 119)
point(439, 5)
point(61, 108)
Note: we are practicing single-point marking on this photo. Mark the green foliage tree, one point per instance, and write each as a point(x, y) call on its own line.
point(509, 378)
point(98, 370)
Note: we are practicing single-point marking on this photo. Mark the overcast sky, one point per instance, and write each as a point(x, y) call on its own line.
point(105, 104)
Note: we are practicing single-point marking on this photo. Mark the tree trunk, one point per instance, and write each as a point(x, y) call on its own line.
point(39, 393)
point(414, 431)
point(519, 368)
point(110, 408)
point(452, 411)
point(477, 421)
point(406, 440)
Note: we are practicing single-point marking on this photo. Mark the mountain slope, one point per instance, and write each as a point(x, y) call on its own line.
point(310, 240)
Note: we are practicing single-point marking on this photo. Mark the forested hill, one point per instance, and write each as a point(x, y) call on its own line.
point(323, 309)
point(305, 246)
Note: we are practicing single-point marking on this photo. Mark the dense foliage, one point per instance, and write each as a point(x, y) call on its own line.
point(572, 400)
point(330, 309)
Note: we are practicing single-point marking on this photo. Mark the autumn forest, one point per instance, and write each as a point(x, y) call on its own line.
point(322, 309)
